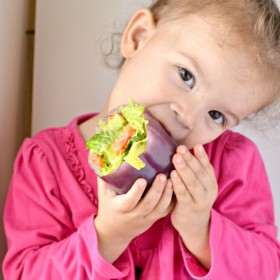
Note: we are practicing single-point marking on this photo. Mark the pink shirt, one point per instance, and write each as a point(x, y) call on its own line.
point(52, 202)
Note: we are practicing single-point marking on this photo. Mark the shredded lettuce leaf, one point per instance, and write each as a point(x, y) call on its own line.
point(110, 131)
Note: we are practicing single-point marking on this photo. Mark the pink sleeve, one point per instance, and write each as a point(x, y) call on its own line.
point(243, 235)
point(43, 243)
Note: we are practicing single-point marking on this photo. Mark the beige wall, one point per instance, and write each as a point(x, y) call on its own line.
point(69, 78)
point(14, 92)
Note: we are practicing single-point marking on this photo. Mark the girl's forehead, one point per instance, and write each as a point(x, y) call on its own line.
point(205, 34)
point(218, 27)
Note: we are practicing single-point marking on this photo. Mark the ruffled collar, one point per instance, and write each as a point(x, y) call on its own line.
point(74, 144)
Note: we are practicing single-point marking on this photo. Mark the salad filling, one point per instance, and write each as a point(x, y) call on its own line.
point(122, 137)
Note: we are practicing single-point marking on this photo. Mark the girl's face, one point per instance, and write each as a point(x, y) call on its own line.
point(195, 84)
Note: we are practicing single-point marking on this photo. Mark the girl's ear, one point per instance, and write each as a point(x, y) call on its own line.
point(138, 31)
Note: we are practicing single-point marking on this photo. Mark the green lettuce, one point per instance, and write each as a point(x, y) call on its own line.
point(112, 130)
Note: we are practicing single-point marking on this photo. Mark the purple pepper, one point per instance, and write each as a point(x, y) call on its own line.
point(157, 158)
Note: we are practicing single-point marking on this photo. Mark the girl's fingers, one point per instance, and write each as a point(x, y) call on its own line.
point(153, 196)
point(104, 189)
point(209, 181)
point(203, 159)
point(196, 171)
point(164, 205)
point(124, 202)
point(192, 173)
point(181, 191)
point(128, 201)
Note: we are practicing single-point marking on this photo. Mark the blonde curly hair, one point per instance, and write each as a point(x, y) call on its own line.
point(256, 22)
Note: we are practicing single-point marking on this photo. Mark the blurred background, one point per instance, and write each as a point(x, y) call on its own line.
point(51, 71)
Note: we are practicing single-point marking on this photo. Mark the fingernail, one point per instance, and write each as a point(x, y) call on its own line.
point(182, 150)
point(162, 178)
point(169, 185)
point(141, 183)
point(174, 174)
point(200, 149)
point(179, 159)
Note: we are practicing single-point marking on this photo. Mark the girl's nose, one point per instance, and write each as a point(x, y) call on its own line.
point(186, 116)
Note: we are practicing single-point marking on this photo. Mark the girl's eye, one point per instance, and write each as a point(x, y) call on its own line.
point(187, 77)
point(218, 117)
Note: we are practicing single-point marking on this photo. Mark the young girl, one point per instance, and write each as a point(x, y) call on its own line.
point(200, 67)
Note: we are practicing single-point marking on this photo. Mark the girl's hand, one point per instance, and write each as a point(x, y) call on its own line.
point(122, 217)
point(195, 188)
